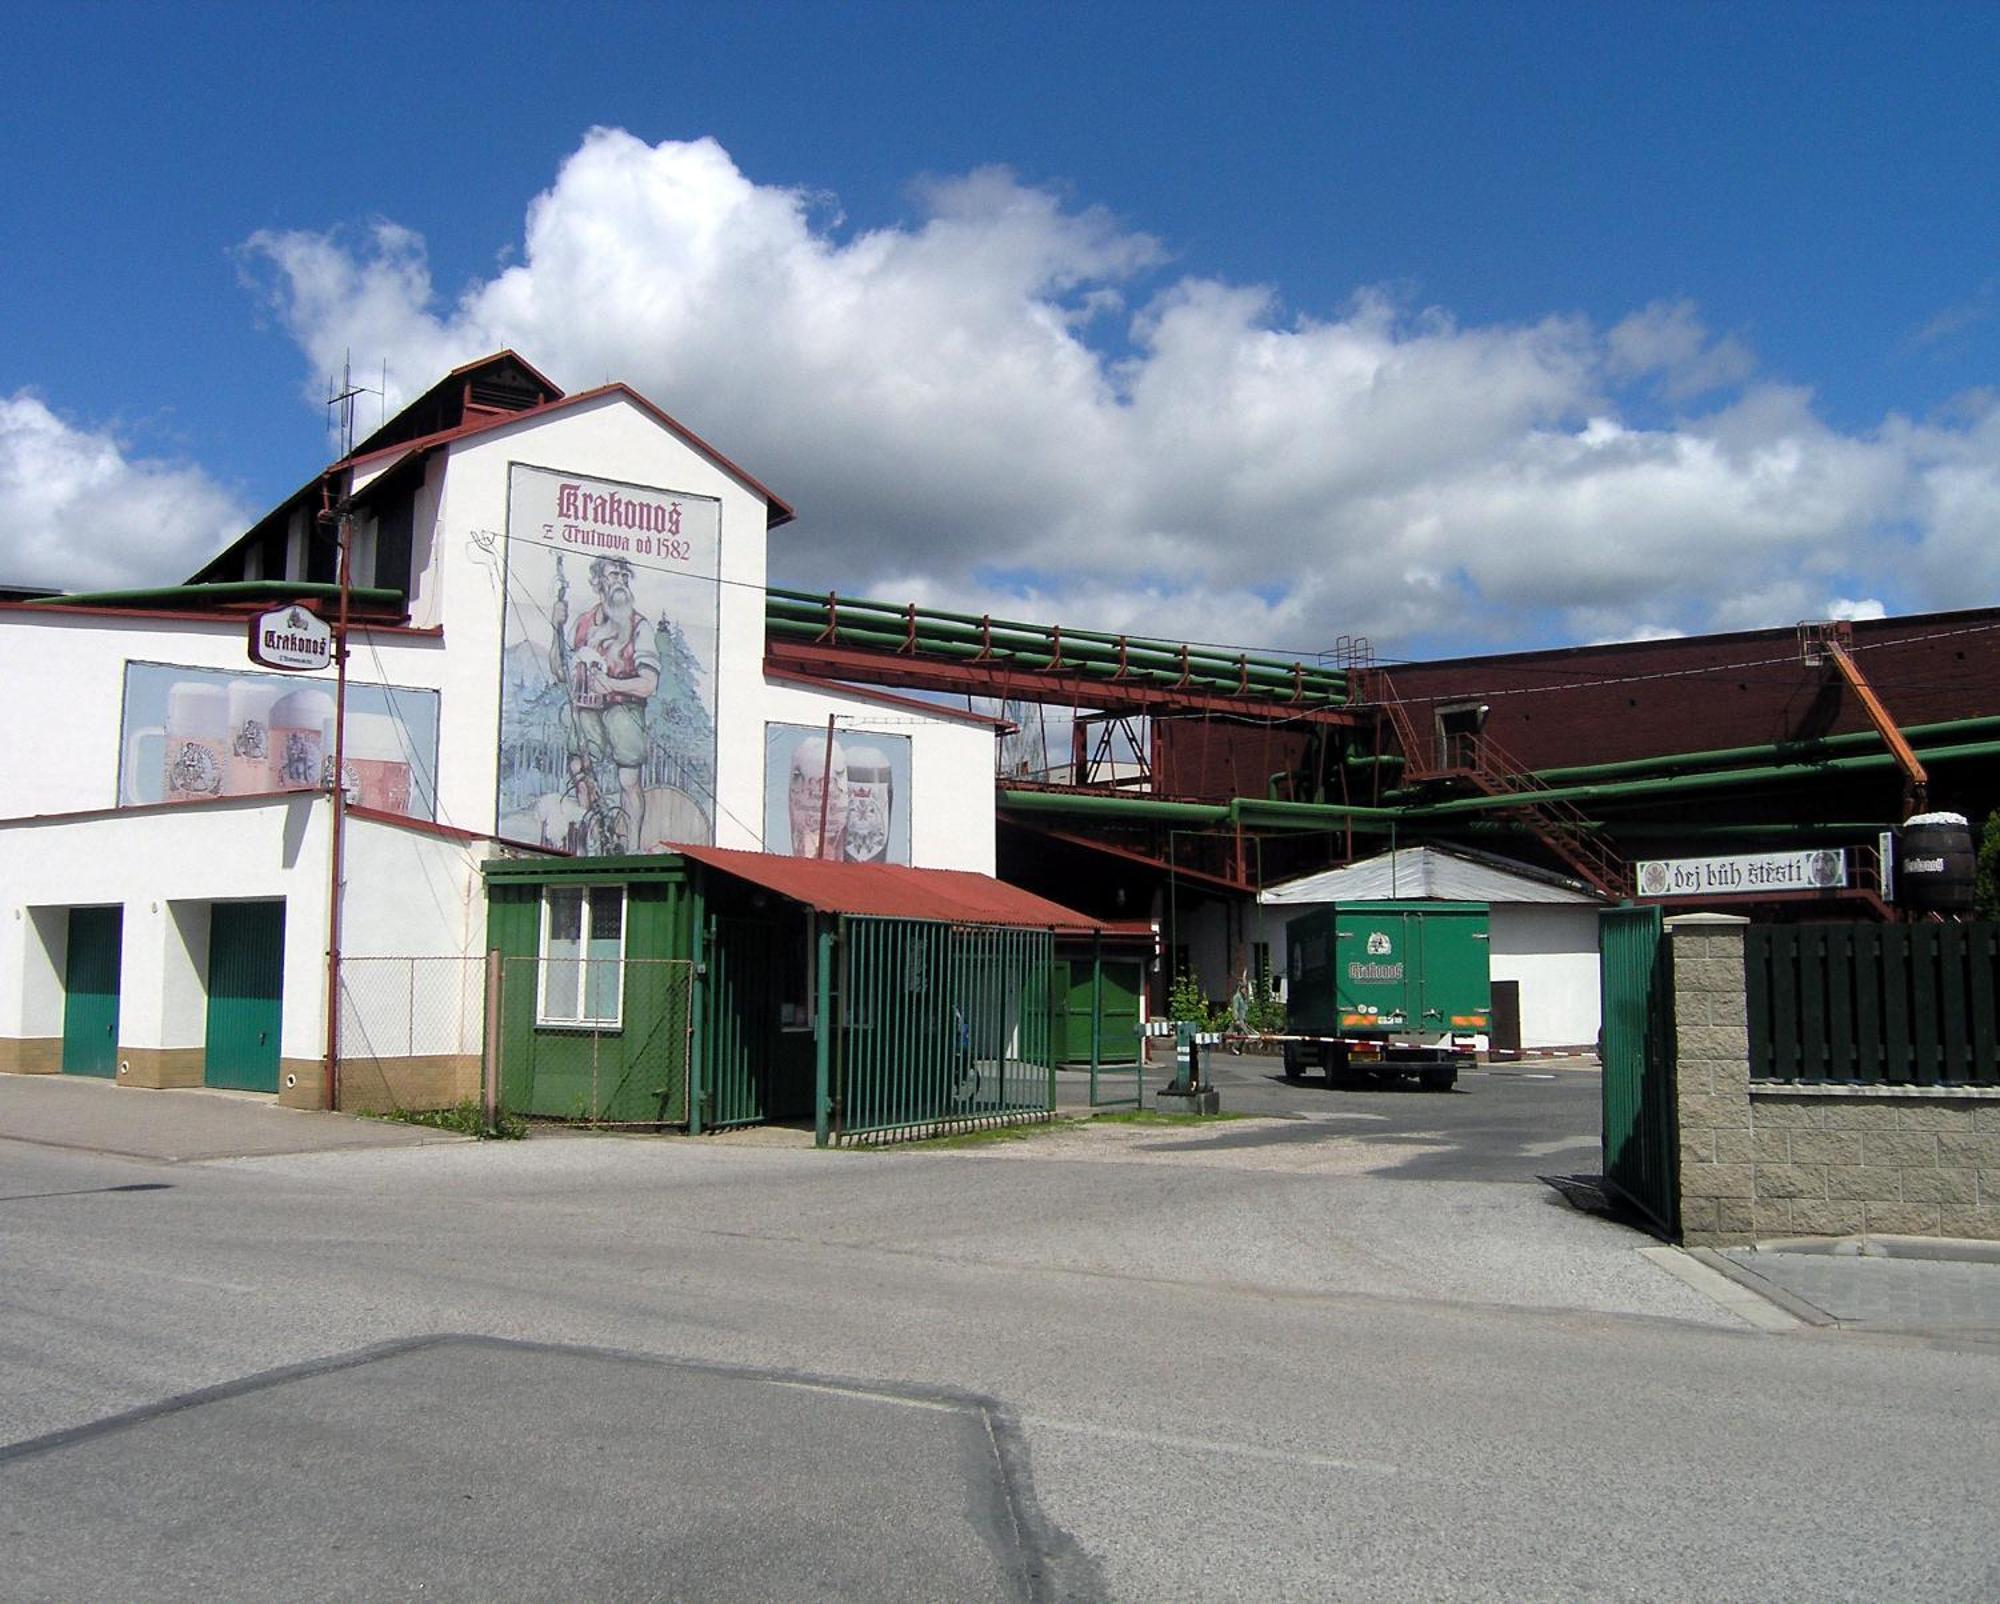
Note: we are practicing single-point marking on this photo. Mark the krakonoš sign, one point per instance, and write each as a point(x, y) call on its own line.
point(607, 700)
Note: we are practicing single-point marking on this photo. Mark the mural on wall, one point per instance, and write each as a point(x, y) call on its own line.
point(193, 733)
point(858, 783)
point(607, 694)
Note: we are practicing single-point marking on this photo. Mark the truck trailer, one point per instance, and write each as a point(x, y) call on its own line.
point(1387, 989)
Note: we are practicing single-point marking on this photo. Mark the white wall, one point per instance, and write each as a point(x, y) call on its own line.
point(68, 668)
point(408, 893)
point(951, 772)
point(1551, 949)
point(146, 860)
point(66, 678)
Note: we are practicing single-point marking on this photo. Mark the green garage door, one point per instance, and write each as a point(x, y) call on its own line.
point(246, 969)
point(90, 991)
point(1118, 1042)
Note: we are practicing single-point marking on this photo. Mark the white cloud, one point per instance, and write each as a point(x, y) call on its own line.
point(1012, 402)
point(81, 513)
point(1669, 340)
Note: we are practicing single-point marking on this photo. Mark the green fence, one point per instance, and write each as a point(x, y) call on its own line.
point(1909, 1005)
point(1641, 1132)
point(941, 1027)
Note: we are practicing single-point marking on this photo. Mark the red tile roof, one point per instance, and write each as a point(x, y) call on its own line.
point(887, 891)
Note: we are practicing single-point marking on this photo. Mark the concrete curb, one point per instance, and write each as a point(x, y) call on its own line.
point(1794, 1305)
point(1752, 1300)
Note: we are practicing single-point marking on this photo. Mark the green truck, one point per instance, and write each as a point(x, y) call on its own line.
point(1387, 989)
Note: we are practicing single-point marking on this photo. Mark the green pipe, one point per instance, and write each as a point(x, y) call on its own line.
point(1780, 751)
point(796, 607)
point(1749, 832)
point(1243, 810)
point(1686, 783)
point(1113, 807)
point(982, 623)
point(234, 590)
point(967, 651)
point(1308, 815)
point(1041, 644)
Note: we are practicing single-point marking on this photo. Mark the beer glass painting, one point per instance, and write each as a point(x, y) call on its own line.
point(856, 783)
point(194, 734)
point(607, 699)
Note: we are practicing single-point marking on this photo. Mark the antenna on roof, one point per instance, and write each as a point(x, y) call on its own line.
point(342, 394)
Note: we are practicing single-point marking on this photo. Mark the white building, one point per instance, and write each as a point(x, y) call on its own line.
point(1544, 930)
point(557, 644)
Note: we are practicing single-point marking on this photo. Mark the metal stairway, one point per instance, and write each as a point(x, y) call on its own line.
point(1482, 763)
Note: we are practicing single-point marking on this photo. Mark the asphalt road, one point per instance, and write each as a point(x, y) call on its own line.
point(1123, 1363)
point(1500, 1123)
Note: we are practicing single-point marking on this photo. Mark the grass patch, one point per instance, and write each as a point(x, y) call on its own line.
point(1148, 1116)
point(987, 1136)
point(465, 1118)
point(1062, 1125)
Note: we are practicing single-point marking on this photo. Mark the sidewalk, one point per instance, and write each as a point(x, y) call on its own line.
point(98, 1116)
point(1908, 1285)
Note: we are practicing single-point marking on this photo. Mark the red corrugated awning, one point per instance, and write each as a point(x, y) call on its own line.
point(891, 892)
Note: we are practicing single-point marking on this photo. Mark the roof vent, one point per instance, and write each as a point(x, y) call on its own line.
point(495, 395)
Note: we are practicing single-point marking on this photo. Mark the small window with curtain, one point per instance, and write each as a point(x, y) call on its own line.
point(583, 956)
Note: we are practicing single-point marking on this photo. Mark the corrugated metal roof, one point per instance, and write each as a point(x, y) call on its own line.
point(889, 891)
point(1427, 872)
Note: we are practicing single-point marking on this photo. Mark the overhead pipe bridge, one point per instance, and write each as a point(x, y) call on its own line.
point(835, 637)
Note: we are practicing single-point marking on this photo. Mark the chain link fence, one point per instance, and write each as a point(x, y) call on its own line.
point(411, 1032)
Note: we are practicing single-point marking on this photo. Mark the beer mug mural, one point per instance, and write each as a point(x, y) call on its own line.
point(198, 734)
point(871, 805)
point(858, 782)
point(816, 798)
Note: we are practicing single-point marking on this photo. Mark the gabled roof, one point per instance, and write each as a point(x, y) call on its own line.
point(1434, 874)
point(471, 400)
point(777, 511)
point(888, 891)
point(497, 385)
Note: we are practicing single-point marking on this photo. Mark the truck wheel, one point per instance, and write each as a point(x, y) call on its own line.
point(1292, 1071)
point(1438, 1080)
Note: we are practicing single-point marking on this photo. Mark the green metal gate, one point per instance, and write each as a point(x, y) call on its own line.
point(246, 985)
point(90, 991)
point(1641, 1132)
point(941, 1027)
point(1118, 1030)
point(756, 1064)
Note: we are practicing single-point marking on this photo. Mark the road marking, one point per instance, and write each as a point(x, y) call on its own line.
point(1214, 1445)
point(869, 1395)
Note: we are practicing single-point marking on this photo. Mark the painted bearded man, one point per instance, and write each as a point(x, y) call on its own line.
point(614, 669)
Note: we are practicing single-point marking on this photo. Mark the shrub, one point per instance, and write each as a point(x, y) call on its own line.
point(1986, 871)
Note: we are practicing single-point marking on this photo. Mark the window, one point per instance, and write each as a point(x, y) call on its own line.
point(583, 956)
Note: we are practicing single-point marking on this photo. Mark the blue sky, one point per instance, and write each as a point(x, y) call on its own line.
point(1459, 327)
